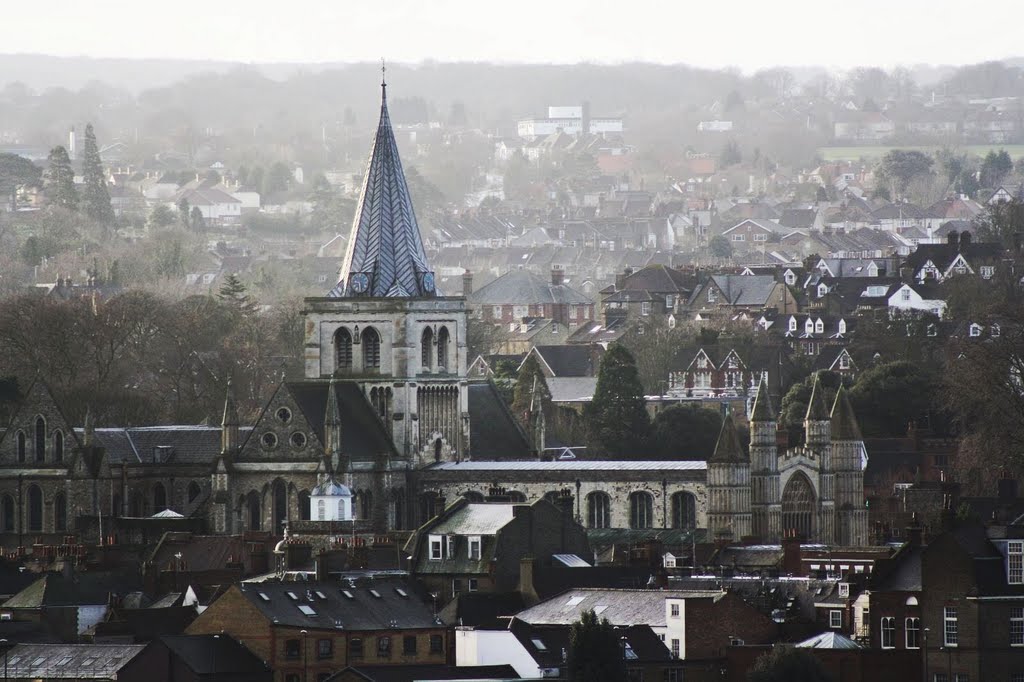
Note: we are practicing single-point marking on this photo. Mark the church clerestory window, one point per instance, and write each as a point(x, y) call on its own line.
point(343, 349)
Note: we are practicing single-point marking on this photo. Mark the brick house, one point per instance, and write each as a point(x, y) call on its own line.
point(311, 630)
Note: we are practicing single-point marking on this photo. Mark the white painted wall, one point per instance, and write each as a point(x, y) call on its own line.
point(493, 647)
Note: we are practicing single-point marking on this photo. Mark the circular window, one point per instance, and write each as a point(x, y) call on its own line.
point(298, 439)
point(269, 440)
point(284, 414)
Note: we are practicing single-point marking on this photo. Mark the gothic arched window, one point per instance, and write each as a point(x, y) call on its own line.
point(798, 506)
point(280, 506)
point(684, 510)
point(40, 439)
point(304, 509)
point(442, 349)
point(365, 505)
point(371, 348)
point(343, 349)
point(427, 350)
point(35, 508)
point(599, 510)
point(58, 446)
point(255, 514)
point(7, 510)
point(641, 510)
point(159, 498)
point(60, 512)
point(22, 446)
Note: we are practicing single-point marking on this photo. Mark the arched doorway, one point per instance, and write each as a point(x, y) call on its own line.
point(798, 504)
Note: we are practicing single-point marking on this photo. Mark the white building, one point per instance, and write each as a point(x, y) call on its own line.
point(572, 120)
point(330, 501)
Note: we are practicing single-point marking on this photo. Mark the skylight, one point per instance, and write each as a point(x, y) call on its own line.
point(539, 644)
point(264, 597)
point(575, 601)
point(307, 609)
point(401, 592)
point(63, 660)
point(292, 596)
point(320, 595)
point(600, 608)
point(375, 593)
point(348, 594)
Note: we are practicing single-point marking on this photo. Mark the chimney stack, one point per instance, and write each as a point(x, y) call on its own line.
point(557, 276)
point(953, 238)
point(467, 283)
point(791, 560)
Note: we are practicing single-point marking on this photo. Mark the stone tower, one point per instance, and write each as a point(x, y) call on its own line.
point(848, 461)
point(765, 494)
point(729, 516)
point(386, 327)
point(818, 430)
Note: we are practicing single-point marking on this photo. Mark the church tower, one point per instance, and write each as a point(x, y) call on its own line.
point(818, 430)
point(386, 327)
point(849, 458)
point(729, 516)
point(766, 497)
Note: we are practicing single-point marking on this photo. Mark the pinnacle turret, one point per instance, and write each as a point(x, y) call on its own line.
point(728, 449)
point(844, 421)
point(762, 411)
point(817, 410)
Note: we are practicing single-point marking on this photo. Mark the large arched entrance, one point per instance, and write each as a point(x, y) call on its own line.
point(798, 505)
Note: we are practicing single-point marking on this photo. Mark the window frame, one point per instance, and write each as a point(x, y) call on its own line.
point(1017, 626)
point(475, 543)
point(832, 615)
point(324, 648)
point(1015, 562)
point(950, 626)
point(435, 546)
point(384, 646)
point(292, 649)
point(887, 633)
point(408, 650)
point(912, 624)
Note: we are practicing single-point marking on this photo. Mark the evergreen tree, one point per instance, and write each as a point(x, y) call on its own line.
point(161, 216)
point(785, 664)
point(184, 214)
point(60, 180)
point(595, 653)
point(234, 292)
point(95, 194)
point(616, 419)
point(197, 220)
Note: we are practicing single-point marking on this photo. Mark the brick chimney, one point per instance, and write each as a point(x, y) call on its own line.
point(467, 283)
point(915, 532)
point(526, 586)
point(791, 560)
point(557, 276)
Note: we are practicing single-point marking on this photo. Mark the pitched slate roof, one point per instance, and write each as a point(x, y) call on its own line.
point(88, 588)
point(575, 360)
point(404, 673)
point(522, 287)
point(493, 432)
point(69, 661)
point(385, 245)
point(745, 289)
point(620, 607)
point(215, 654)
point(362, 434)
point(331, 607)
point(829, 640)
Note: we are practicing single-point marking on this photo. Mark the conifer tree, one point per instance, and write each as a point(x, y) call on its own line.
point(234, 292)
point(197, 220)
point(595, 652)
point(60, 180)
point(616, 419)
point(95, 194)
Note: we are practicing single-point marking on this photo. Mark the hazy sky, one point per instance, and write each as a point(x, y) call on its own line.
point(749, 34)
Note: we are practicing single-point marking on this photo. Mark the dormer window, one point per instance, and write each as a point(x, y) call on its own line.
point(792, 324)
point(995, 331)
point(844, 361)
point(474, 547)
point(842, 326)
point(933, 330)
point(819, 327)
point(712, 295)
point(436, 548)
point(809, 327)
point(975, 330)
point(822, 290)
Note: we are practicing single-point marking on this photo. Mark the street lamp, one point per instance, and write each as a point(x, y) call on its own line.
point(925, 650)
point(303, 633)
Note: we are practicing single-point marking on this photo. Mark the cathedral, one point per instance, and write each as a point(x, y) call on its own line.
point(387, 418)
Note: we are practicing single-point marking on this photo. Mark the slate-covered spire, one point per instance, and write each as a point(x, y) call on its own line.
point(817, 410)
point(762, 411)
point(844, 421)
point(385, 254)
point(728, 449)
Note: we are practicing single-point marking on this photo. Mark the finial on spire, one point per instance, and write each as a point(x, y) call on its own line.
point(383, 78)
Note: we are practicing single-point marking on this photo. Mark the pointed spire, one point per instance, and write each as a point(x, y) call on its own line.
point(728, 449)
point(332, 424)
point(762, 411)
point(89, 429)
point(229, 422)
point(817, 410)
point(844, 421)
point(385, 256)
